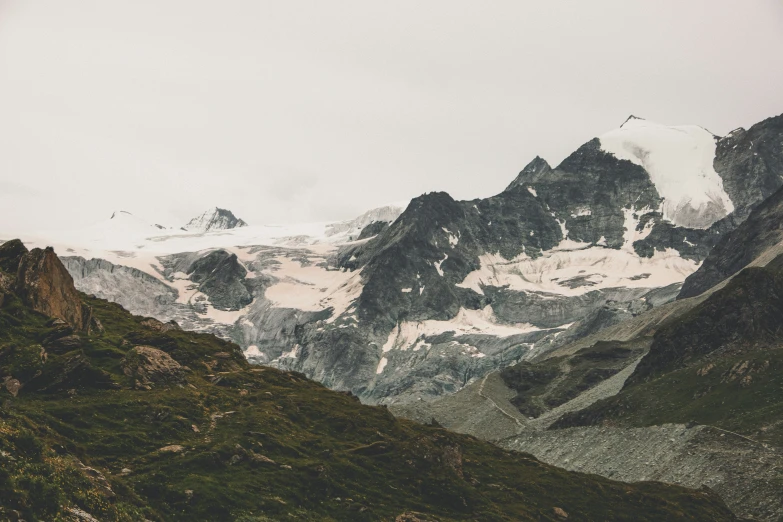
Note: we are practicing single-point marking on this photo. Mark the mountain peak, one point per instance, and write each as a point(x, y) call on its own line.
point(631, 118)
point(215, 219)
point(532, 172)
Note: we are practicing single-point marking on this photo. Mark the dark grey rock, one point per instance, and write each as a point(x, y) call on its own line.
point(221, 277)
point(762, 230)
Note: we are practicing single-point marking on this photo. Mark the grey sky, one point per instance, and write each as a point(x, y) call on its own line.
point(299, 111)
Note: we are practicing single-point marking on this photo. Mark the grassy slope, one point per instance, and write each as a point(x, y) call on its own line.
point(334, 459)
point(720, 364)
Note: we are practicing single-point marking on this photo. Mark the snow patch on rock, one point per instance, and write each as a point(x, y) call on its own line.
point(410, 334)
point(578, 271)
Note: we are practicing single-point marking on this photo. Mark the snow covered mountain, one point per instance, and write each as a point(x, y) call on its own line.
point(679, 161)
point(398, 306)
point(215, 219)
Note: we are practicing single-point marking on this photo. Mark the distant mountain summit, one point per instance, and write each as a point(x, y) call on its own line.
point(215, 219)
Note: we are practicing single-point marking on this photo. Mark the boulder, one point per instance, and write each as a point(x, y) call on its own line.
point(45, 285)
point(64, 344)
point(12, 385)
point(149, 366)
point(174, 448)
point(157, 326)
point(58, 328)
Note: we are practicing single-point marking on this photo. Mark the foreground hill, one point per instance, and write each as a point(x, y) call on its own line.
point(110, 416)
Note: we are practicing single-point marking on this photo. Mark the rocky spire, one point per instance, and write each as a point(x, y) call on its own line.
point(45, 285)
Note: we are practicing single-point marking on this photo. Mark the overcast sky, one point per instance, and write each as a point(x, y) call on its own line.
point(292, 111)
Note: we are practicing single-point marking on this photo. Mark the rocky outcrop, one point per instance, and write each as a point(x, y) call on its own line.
point(532, 173)
point(148, 366)
point(134, 290)
point(71, 372)
point(433, 246)
point(11, 253)
point(221, 277)
point(750, 162)
point(762, 230)
point(64, 344)
point(45, 285)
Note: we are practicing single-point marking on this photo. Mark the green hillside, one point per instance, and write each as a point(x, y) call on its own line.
point(184, 429)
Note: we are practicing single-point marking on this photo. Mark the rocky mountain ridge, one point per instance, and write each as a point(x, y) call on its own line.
point(450, 290)
point(690, 389)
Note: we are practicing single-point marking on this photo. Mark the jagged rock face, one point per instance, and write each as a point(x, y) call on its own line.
point(532, 173)
point(592, 198)
point(215, 219)
point(46, 286)
point(133, 289)
point(588, 191)
point(222, 278)
point(761, 230)
point(750, 163)
point(435, 244)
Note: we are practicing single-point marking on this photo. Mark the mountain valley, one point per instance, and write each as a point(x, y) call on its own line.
point(627, 298)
